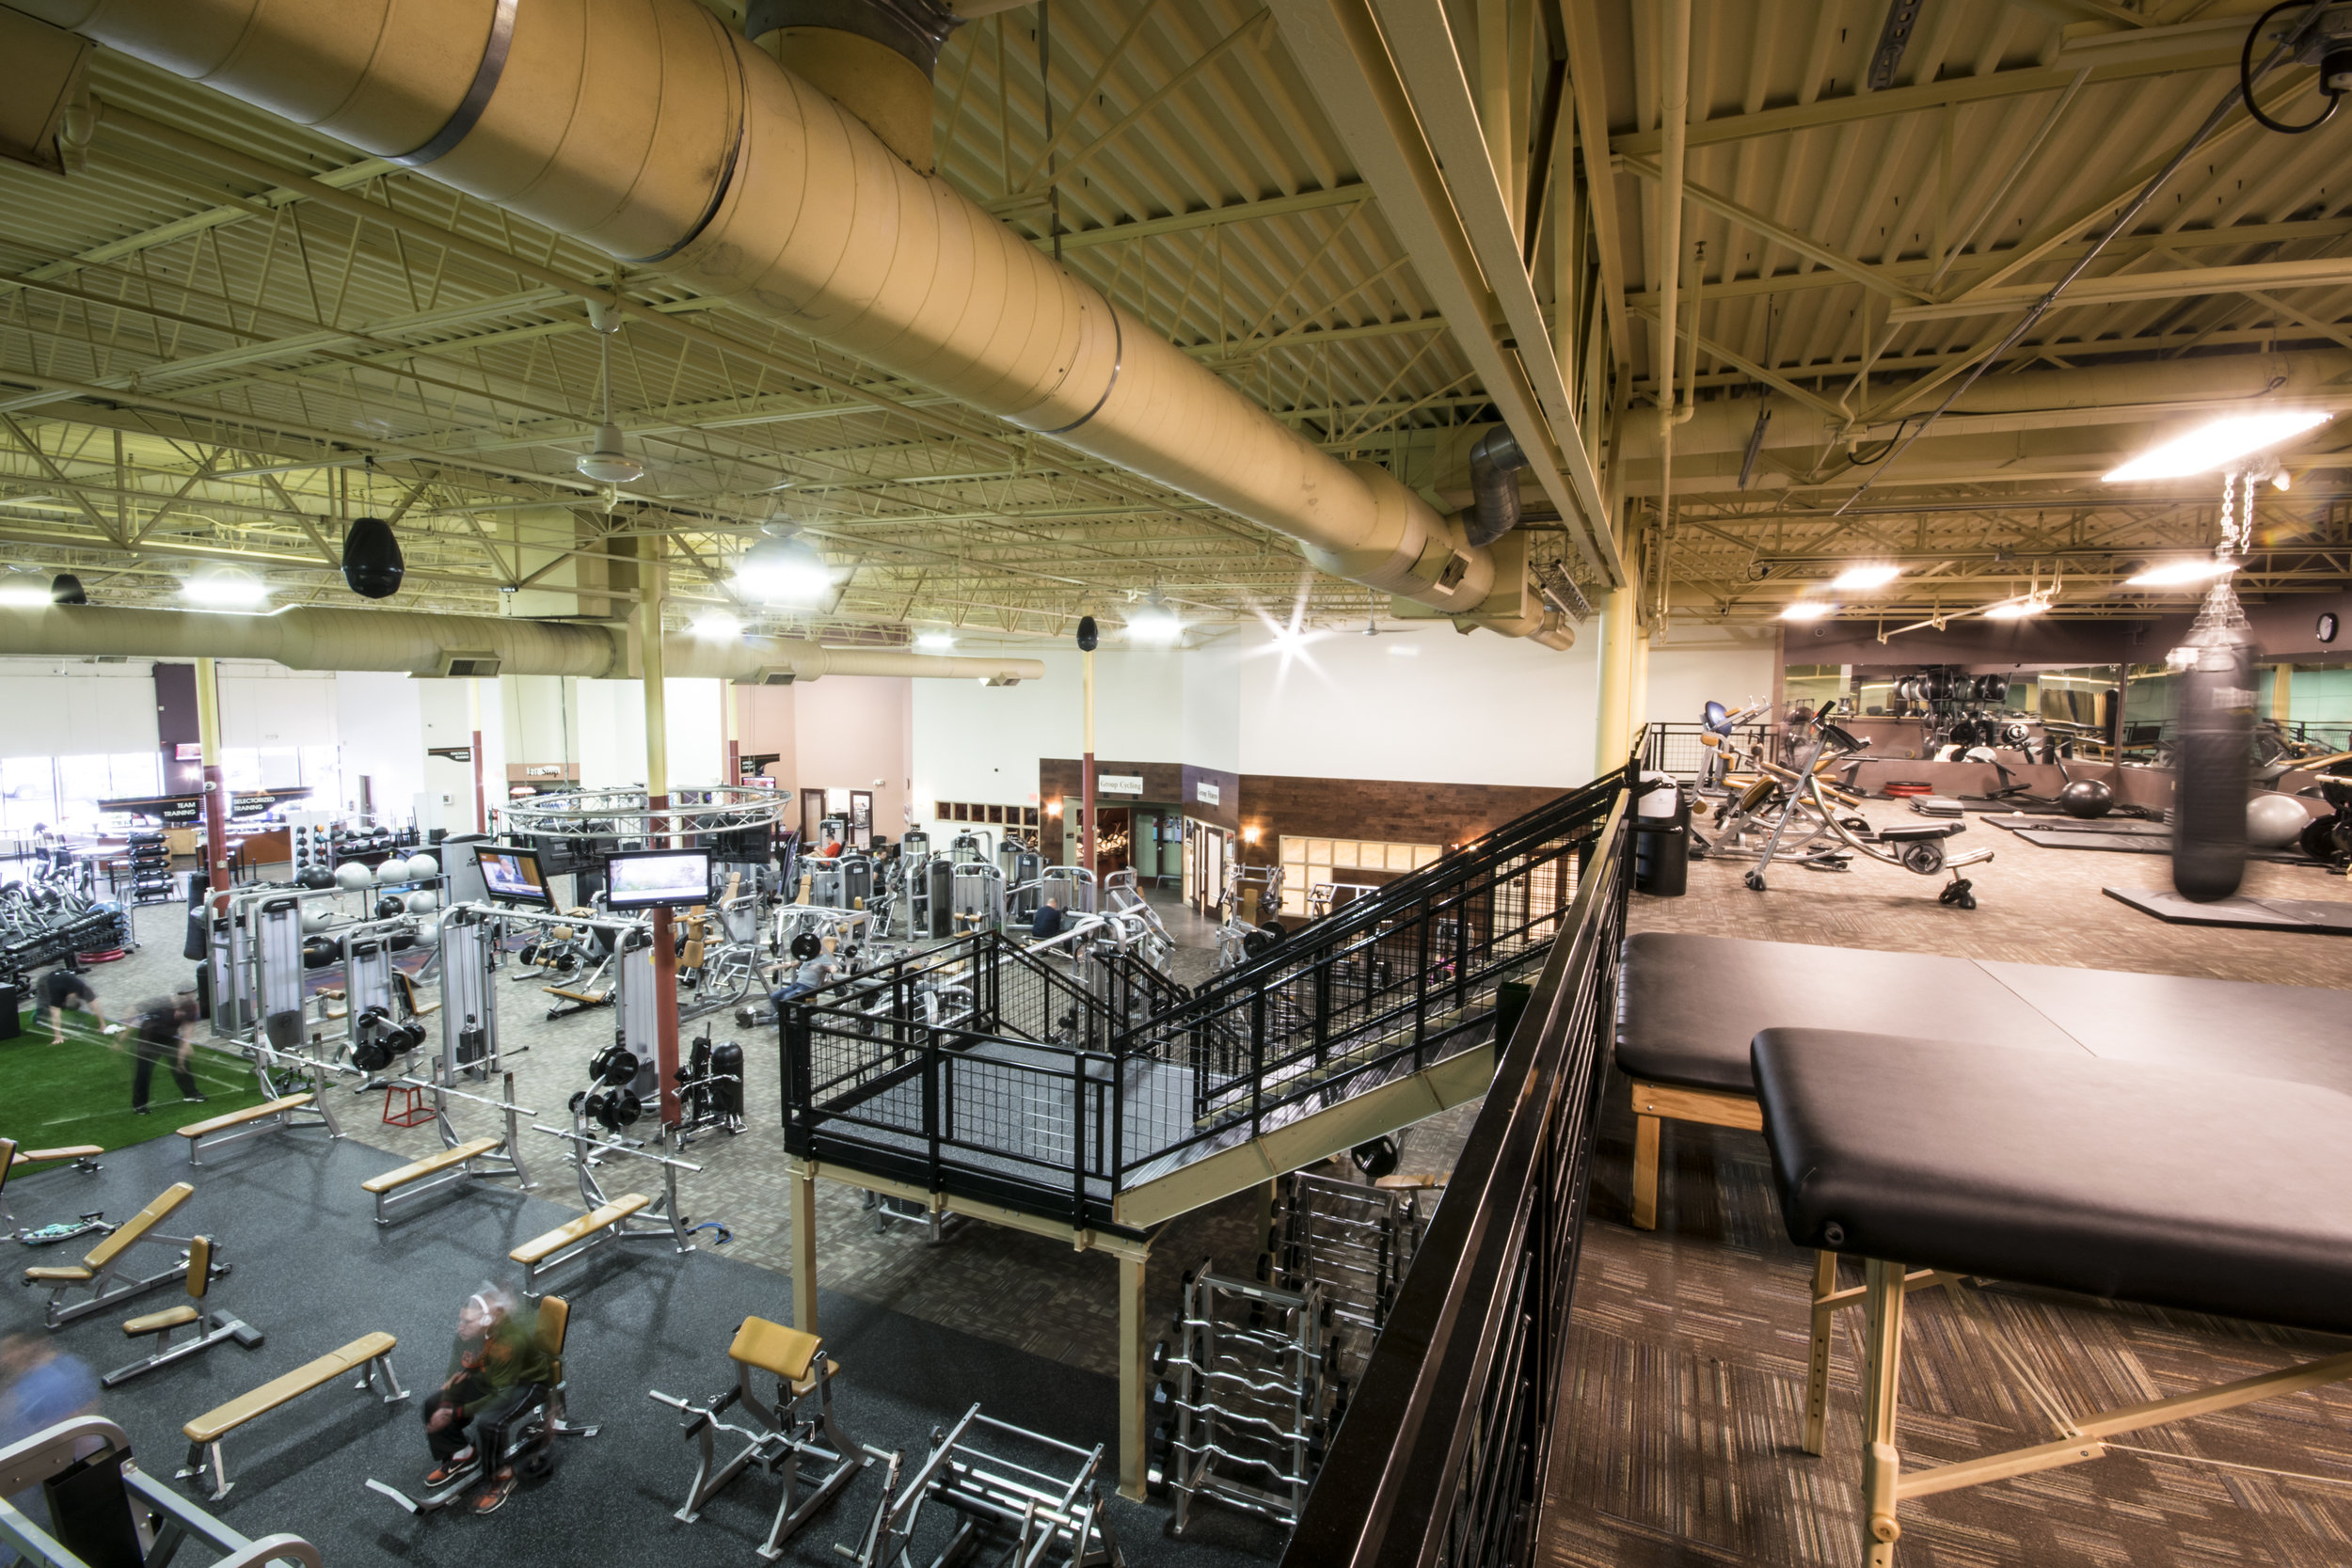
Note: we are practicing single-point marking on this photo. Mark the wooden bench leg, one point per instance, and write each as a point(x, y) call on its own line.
point(1824, 1330)
point(1645, 1130)
point(1882, 1467)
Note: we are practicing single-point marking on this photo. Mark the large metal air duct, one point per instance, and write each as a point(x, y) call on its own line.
point(648, 130)
point(396, 640)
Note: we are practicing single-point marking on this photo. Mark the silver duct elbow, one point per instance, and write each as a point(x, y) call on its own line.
point(1494, 462)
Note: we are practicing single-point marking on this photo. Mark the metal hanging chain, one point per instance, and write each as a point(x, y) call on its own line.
point(2241, 91)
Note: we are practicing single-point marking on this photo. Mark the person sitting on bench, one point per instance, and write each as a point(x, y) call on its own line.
point(814, 973)
point(1046, 923)
point(60, 988)
point(156, 1036)
point(496, 1364)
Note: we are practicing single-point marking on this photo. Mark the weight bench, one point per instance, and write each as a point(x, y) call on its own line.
point(781, 1439)
point(577, 1238)
point(1693, 1004)
point(2130, 1180)
point(85, 1157)
point(210, 1328)
point(100, 1272)
point(452, 1167)
point(269, 1116)
point(370, 1351)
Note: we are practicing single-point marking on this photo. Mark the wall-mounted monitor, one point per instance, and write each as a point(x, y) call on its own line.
point(512, 876)
point(657, 878)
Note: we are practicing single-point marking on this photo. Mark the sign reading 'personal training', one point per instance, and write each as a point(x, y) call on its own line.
point(1118, 783)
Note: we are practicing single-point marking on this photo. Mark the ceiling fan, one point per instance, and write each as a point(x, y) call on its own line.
point(1373, 629)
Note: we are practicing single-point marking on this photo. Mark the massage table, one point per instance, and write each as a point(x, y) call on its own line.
point(1693, 1004)
point(2132, 1178)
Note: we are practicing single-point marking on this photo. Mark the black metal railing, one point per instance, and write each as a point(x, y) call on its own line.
point(984, 1069)
point(1439, 1462)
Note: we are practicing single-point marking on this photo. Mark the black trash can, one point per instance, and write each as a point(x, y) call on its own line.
point(11, 999)
point(1662, 841)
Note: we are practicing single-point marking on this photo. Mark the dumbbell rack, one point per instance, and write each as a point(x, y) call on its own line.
point(1354, 1241)
point(151, 869)
point(1247, 1396)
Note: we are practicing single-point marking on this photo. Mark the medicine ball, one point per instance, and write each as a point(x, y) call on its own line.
point(351, 877)
point(2274, 821)
point(2086, 798)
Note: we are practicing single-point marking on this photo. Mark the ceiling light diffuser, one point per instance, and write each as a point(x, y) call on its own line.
point(2016, 610)
point(935, 642)
point(1866, 577)
point(25, 594)
point(227, 588)
point(1156, 621)
point(2212, 446)
point(2175, 574)
point(784, 571)
point(717, 623)
point(1808, 609)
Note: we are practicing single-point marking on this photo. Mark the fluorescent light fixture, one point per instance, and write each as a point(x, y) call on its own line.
point(2016, 610)
point(784, 571)
point(227, 588)
point(1866, 577)
point(717, 623)
point(2174, 573)
point(2212, 446)
point(1156, 621)
point(1403, 650)
point(935, 642)
point(24, 595)
point(1808, 609)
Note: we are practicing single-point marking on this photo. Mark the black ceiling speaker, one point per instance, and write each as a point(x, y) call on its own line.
point(1088, 636)
point(65, 588)
point(371, 563)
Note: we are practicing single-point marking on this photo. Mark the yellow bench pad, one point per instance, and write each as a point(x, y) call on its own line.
point(774, 1348)
point(138, 1224)
point(217, 1423)
point(255, 1113)
point(155, 1322)
point(69, 1274)
point(539, 1247)
point(34, 1156)
point(471, 1149)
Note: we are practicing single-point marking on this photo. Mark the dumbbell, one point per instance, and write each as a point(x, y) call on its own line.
point(614, 1066)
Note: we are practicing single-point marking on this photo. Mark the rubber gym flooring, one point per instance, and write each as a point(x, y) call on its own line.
point(1682, 1398)
point(310, 1269)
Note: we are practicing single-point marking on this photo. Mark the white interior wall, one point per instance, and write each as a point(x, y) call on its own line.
point(378, 723)
point(1428, 705)
point(697, 751)
point(55, 708)
point(269, 706)
point(1725, 664)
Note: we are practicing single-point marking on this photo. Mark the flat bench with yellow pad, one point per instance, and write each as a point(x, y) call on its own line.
point(210, 1327)
point(100, 1270)
point(780, 1437)
point(576, 1239)
point(285, 1113)
point(85, 1156)
point(370, 1351)
point(452, 1167)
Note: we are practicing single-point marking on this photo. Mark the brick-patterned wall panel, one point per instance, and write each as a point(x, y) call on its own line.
point(1393, 811)
point(1061, 779)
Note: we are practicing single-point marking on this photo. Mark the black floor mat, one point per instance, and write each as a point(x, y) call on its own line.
point(2330, 916)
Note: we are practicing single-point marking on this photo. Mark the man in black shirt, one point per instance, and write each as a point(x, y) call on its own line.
point(156, 1036)
point(1046, 923)
point(61, 988)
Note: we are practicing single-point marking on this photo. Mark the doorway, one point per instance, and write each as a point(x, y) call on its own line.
point(862, 818)
point(812, 816)
point(1206, 848)
point(1114, 839)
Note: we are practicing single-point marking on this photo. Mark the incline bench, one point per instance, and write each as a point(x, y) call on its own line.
point(100, 1272)
point(370, 1351)
point(85, 1157)
point(269, 1116)
point(2131, 1181)
point(1693, 1004)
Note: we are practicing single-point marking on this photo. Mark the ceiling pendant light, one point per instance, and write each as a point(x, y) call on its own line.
point(65, 588)
point(609, 462)
point(785, 570)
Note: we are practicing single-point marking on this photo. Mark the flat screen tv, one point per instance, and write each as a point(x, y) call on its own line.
point(512, 876)
point(657, 878)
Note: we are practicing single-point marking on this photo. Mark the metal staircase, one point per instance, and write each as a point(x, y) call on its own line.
point(1108, 1097)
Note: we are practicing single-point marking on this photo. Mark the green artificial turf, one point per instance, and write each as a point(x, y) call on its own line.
point(79, 1092)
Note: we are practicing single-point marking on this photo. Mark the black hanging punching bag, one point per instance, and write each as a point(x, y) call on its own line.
point(2213, 727)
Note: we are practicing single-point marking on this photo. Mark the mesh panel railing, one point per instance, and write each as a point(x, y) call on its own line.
point(1050, 1085)
point(1441, 1460)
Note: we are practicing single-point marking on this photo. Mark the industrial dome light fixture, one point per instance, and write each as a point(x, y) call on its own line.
point(373, 565)
point(1156, 622)
point(784, 571)
point(225, 588)
point(1865, 576)
point(609, 462)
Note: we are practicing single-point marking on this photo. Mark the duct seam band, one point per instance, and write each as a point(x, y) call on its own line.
point(1118, 357)
point(726, 181)
point(477, 99)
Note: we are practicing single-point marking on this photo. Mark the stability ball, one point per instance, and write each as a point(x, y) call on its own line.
point(317, 919)
point(424, 868)
point(394, 869)
point(2086, 798)
point(2274, 821)
point(351, 877)
point(423, 901)
point(429, 931)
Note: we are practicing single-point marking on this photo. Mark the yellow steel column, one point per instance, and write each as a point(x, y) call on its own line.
point(1615, 726)
point(804, 1246)
point(215, 791)
point(1133, 1407)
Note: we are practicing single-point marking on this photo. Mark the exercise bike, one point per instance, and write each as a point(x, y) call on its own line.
point(1917, 847)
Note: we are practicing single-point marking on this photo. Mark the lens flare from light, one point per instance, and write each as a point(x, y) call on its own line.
point(2211, 447)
